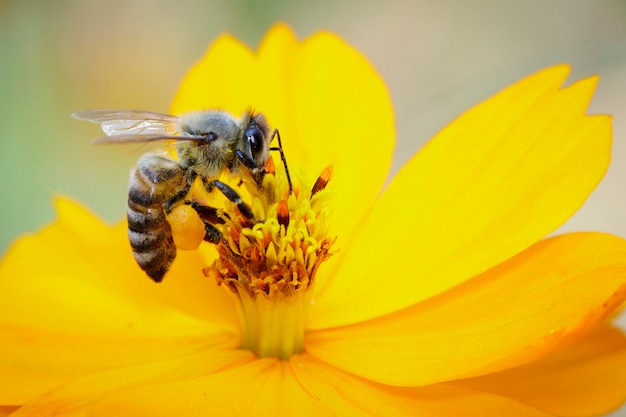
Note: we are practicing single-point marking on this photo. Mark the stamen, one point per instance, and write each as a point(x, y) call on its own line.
point(269, 263)
point(282, 213)
point(270, 166)
point(322, 180)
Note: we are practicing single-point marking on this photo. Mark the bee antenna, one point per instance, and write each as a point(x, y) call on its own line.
point(282, 158)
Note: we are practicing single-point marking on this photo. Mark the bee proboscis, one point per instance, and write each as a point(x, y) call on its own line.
point(208, 143)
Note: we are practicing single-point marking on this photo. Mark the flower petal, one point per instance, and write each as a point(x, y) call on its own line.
point(87, 268)
point(303, 387)
point(583, 379)
point(310, 90)
point(513, 314)
point(264, 387)
point(221, 79)
point(6, 410)
point(78, 395)
point(493, 182)
point(74, 301)
point(348, 395)
point(35, 362)
point(334, 82)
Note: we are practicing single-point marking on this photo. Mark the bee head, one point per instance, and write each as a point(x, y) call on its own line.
point(219, 141)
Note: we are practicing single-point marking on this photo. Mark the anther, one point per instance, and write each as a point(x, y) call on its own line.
point(282, 213)
point(322, 180)
point(270, 166)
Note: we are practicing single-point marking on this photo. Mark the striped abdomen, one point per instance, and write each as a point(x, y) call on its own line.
point(155, 181)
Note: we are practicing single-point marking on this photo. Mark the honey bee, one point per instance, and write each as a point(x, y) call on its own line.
point(208, 143)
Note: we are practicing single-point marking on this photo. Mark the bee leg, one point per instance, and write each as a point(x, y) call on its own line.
point(282, 158)
point(233, 196)
point(256, 171)
point(208, 213)
point(212, 235)
point(209, 216)
point(190, 176)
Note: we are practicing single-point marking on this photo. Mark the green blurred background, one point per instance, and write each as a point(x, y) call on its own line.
point(438, 58)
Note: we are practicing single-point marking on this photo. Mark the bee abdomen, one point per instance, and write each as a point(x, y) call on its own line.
point(155, 263)
point(153, 249)
point(155, 180)
point(142, 218)
point(147, 241)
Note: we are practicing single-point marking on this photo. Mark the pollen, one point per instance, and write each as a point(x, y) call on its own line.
point(187, 228)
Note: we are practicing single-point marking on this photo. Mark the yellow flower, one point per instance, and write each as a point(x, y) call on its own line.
point(440, 297)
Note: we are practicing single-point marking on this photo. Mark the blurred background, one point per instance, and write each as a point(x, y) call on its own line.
point(438, 57)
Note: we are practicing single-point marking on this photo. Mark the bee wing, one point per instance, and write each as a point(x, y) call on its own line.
point(121, 139)
point(128, 123)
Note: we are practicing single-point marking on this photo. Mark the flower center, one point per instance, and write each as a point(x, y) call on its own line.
point(270, 264)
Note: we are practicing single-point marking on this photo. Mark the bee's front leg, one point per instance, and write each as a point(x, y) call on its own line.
point(276, 135)
point(257, 172)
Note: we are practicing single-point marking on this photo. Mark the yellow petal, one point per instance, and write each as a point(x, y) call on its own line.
point(77, 396)
point(330, 106)
point(493, 182)
point(211, 82)
point(300, 387)
point(348, 395)
point(264, 387)
point(74, 301)
point(78, 274)
point(344, 117)
point(513, 314)
point(6, 410)
point(586, 378)
point(35, 361)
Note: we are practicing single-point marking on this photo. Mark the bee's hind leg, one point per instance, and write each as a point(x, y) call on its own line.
point(210, 216)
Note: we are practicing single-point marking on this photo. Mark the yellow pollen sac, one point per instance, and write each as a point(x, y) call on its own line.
point(187, 228)
point(269, 263)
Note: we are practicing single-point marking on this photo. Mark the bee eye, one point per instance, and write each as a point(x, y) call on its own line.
point(255, 138)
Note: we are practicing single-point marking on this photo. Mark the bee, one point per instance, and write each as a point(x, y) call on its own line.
point(208, 143)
